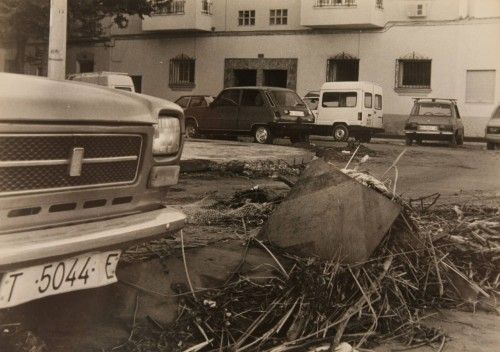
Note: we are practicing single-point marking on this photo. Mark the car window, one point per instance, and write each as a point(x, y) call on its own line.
point(128, 89)
point(285, 98)
point(378, 102)
point(457, 114)
point(432, 109)
point(228, 97)
point(368, 100)
point(197, 102)
point(251, 97)
point(182, 102)
point(312, 103)
point(496, 115)
point(339, 99)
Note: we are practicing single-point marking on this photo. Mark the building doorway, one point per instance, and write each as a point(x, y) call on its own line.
point(261, 71)
point(85, 66)
point(245, 78)
point(275, 78)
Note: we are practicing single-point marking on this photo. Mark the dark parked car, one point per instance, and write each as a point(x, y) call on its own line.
point(434, 119)
point(263, 112)
point(191, 101)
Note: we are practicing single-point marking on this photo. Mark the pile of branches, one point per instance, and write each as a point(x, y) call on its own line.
point(420, 265)
point(251, 206)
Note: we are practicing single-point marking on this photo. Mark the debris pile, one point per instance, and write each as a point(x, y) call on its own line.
point(418, 266)
point(257, 168)
point(444, 258)
point(252, 206)
point(344, 153)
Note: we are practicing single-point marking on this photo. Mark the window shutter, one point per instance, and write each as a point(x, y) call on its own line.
point(480, 86)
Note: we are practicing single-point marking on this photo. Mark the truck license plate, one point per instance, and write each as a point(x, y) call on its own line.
point(86, 271)
point(427, 128)
point(296, 113)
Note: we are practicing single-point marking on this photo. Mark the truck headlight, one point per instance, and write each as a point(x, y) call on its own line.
point(167, 137)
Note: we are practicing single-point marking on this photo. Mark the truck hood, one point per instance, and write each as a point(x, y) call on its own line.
point(31, 98)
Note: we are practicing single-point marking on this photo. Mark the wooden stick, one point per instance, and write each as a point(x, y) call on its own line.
point(185, 266)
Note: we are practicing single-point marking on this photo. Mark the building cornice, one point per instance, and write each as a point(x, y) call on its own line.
point(387, 27)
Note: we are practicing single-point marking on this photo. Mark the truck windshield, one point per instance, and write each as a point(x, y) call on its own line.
point(285, 98)
point(432, 109)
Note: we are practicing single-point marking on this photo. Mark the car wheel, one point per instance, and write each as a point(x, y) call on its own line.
point(340, 133)
point(418, 141)
point(409, 141)
point(490, 146)
point(454, 140)
point(191, 129)
point(262, 135)
point(460, 140)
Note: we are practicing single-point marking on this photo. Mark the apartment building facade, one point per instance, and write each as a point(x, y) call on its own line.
point(412, 48)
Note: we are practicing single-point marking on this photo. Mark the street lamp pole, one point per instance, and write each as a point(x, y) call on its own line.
point(57, 39)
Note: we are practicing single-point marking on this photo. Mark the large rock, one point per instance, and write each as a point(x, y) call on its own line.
point(329, 215)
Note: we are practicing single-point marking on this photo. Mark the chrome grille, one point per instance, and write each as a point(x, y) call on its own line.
point(42, 162)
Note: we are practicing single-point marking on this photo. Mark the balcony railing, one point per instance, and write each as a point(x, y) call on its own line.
point(206, 7)
point(175, 7)
point(335, 3)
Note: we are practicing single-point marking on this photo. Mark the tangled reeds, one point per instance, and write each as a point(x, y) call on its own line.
point(426, 261)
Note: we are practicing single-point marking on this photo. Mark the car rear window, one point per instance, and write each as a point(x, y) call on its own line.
point(285, 98)
point(182, 102)
point(198, 101)
point(432, 109)
point(339, 99)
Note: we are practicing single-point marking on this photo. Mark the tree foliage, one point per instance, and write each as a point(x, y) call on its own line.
point(22, 21)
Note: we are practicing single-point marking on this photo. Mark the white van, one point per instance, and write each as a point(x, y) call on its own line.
point(349, 109)
point(117, 80)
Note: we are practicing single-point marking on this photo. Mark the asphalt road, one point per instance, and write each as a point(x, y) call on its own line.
point(465, 173)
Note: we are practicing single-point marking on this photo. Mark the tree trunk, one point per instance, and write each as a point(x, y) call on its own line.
point(20, 54)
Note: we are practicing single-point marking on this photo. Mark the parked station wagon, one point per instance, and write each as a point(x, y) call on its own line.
point(263, 112)
point(434, 119)
point(84, 171)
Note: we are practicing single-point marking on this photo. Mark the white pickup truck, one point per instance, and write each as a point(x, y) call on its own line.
point(83, 174)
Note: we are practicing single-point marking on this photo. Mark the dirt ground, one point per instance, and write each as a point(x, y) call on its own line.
point(466, 174)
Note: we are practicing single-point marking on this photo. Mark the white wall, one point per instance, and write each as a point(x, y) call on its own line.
point(453, 48)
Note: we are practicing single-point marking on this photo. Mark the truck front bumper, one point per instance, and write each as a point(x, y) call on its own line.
point(21, 249)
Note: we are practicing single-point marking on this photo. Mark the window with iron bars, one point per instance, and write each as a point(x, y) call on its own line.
point(340, 3)
point(172, 7)
point(379, 4)
point(413, 73)
point(246, 18)
point(182, 72)
point(206, 7)
point(342, 69)
point(278, 16)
